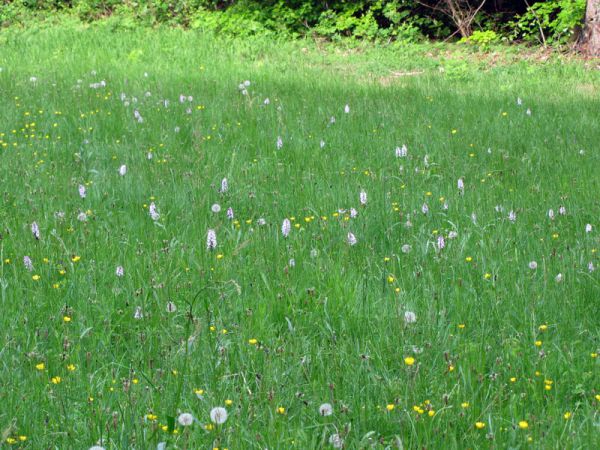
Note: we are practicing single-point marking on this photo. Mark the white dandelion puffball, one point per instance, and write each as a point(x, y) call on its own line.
point(441, 242)
point(123, 170)
point(211, 239)
point(347, 109)
point(185, 419)
point(336, 441)
point(363, 197)
point(533, 265)
point(119, 271)
point(216, 208)
point(401, 152)
point(96, 447)
point(558, 278)
point(286, 227)
point(410, 317)
point(153, 212)
point(406, 248)
point(218, 415)
point(326, 409)
point(27, 263)
point(351, 239)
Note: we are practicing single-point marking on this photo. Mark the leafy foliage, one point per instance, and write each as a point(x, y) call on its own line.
point(374, 20)
point(550, 22)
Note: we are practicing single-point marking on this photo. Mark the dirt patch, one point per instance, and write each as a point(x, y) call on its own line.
point(394, 76)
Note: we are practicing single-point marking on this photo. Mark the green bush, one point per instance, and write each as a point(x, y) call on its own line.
point(552, 22)
point(482, 39)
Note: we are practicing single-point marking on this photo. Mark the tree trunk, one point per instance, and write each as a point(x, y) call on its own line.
point(591, 29)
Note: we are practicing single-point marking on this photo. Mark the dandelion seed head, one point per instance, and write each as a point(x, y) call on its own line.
point(351, 239)
point(410, 317)
point(336, 441)
point(401, 152)
point(441, 242)
point(211, 239)
point(27, 263)
point(326, 409)
point(218, 415)
point(558, 278)
point(286, 227)
point(185, 419)
point(154, 215)
point(362, 197)
point(35, 230)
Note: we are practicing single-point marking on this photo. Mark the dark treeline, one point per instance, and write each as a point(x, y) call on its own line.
point(547, 22)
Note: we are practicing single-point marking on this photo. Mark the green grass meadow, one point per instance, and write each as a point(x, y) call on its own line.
point(494, 355)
